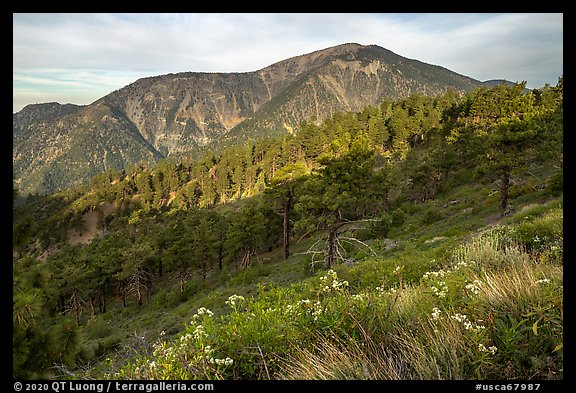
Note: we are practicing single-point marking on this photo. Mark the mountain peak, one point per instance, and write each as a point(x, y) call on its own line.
point(319, 56)
point(343, 48)
point(181, 114)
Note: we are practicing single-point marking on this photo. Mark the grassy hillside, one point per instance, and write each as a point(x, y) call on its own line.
point(422, 239)
point(482, 299)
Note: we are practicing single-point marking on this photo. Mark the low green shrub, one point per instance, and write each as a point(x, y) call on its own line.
point(98, 328)
point(556, 184)
point(539, 233)
point(167, 298)
point(431, 216)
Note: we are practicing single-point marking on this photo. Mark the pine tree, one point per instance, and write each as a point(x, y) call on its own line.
point(340, 192)
point(135, 274)
point(245, 234)
point(506, 121)
point(280, 195)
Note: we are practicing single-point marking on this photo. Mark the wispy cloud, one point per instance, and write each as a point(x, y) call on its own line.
point(62, 53)
point(66, 85)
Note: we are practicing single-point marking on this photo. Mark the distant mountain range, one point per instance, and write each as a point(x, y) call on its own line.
point(57, 146)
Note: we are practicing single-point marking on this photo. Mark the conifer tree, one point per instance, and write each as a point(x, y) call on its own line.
point(280, 195)
point(245, 234)
point(340, 192)
point(506, 122)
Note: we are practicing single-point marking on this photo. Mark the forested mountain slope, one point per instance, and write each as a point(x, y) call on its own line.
point(172, 115)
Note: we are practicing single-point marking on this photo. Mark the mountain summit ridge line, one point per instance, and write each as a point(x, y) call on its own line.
point(56, 146)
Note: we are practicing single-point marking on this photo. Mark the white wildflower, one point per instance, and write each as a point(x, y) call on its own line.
point(187, 337)
point(474, 287)
point(234, 299)
point(359, 296)
point(157, 349)
point(199, 332)
point(492, 350)
point(463, 319)
point(208, 350)
point(434, 275)
point(440, 289)
point(222, 362)
point(459, 317)
point(436, 313)
point(339, 284)
point(205, 311)
point(460, 264)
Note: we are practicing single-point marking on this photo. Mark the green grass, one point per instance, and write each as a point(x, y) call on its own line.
point(502, 306)
point(288, 327)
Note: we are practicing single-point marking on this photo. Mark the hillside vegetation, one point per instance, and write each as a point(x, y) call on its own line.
point(419, 239)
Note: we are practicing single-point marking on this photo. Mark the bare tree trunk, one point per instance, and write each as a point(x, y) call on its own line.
point(504, 188)
point(76, 306)
point(102, 302)
point(181, 277)
point(92, 300)
point(220, 256)
point(138, 291)
point(122, 289)
point(247, 258)
point(62, 303)
point(286, 215)
point(331, 247)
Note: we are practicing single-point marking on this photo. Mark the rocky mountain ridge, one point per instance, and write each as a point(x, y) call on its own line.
point(56, 146)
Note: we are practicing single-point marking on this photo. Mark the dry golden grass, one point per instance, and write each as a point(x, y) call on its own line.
point(434, 350)
point(514, 289)
point(333, 359)
point(418, 346)
point(491, 250)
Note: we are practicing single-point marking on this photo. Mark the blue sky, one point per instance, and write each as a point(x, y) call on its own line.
point(78, 58)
